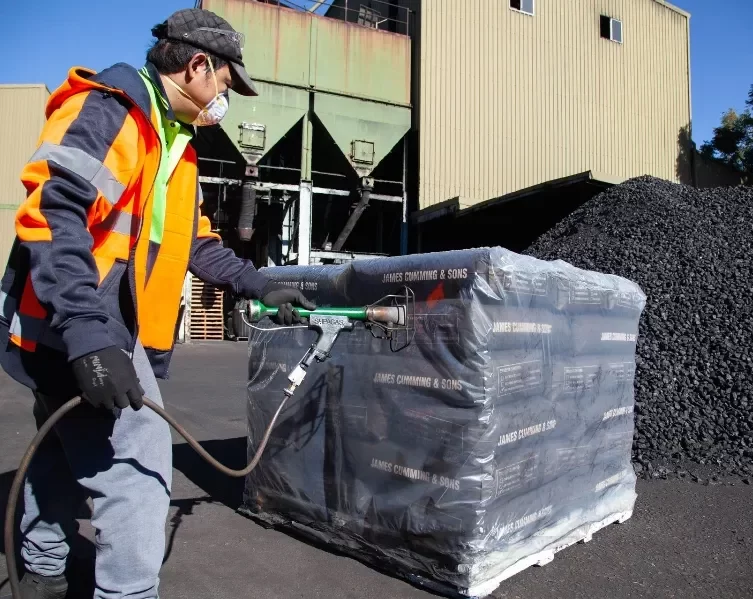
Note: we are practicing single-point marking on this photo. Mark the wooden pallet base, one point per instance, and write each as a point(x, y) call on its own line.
point(583, 534)
point(207, 316)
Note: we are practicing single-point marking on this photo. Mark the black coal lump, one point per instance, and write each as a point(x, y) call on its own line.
point(691, 251)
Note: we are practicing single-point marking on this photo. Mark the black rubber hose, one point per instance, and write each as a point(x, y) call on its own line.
point(15, 489)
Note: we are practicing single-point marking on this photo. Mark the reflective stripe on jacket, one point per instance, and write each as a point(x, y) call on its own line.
point(86, 222)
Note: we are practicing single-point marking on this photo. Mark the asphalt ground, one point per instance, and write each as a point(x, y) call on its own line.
point(685, 540)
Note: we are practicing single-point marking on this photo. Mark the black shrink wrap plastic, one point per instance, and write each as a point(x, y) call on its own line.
point(502, 431)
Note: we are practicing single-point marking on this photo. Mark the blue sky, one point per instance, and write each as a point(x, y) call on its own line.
point(43, 38)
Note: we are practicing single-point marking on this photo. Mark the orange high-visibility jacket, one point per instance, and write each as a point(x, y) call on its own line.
point(83, 273)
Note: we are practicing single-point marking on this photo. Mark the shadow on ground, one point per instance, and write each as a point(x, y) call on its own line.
point(218, 487)
point(228, 491)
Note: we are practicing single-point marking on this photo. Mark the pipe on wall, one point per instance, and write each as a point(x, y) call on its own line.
point(248, 211)
point(350, 225)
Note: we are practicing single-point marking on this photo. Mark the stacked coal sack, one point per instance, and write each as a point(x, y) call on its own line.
point(690, 251)
point(501, 432)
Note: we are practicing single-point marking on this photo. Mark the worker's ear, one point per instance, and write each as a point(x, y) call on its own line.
point(197, 66)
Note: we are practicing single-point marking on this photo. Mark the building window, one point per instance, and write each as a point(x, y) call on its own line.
point(368, 17)
point(611, 29)
point(524, 6)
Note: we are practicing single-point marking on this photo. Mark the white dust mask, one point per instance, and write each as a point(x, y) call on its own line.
point(215, 111)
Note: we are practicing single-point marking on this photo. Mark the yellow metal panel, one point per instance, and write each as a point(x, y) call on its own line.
point(360, 61)
point(510, 100)
point(293, 47)
point(277, 39)
point(21, 121)
point(7, 235)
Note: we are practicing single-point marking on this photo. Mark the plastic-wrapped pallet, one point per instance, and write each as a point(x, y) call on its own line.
point(500, 435)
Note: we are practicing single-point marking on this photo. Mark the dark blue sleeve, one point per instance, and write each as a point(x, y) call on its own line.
point(219, 266)
point(65, 179)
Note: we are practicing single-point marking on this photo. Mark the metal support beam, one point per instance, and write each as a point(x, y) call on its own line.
point(287, 228)
point(289, 187)
point(220, 181)
point(404, 227)
point(366, 186)
point(305, 195)
point(304, 224)
point(332, 255)
point(306, 143)
point(384, 198)
point(277, 186)
point(404, 223)
point(330, 192)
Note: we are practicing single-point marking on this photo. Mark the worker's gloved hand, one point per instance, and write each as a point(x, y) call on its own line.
point(285, 299)
point(108, 379)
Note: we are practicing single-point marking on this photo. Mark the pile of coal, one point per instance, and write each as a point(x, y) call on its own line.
point(691, 252)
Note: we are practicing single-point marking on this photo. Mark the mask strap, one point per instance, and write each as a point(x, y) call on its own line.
point(214, 76)
point(187, 95)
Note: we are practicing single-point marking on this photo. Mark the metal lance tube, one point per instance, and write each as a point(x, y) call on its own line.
point(387, 314)
point(248, 210)
point(257, 311)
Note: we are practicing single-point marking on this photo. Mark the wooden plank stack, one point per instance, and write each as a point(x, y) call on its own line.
point(206, 312)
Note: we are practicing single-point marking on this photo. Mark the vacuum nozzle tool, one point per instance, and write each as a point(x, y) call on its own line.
point(393, 314)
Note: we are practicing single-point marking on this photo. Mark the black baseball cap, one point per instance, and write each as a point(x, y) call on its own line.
point(211, 33)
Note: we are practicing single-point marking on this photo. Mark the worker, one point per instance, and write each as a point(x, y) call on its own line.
point(91, 294)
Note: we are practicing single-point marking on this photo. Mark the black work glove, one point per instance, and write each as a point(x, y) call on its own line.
point(108, 379)
point(284, 298)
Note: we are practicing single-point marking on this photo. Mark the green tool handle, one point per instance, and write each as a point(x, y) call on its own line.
point(257, 311)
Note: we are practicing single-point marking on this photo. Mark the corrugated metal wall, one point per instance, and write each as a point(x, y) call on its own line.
point(508, 100)
point(21, 122)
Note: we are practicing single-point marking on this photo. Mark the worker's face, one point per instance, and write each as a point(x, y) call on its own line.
point(200, 85)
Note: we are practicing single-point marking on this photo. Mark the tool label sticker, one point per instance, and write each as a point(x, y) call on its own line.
point(341, 321)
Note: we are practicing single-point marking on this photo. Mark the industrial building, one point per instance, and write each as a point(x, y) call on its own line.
point(22, 110)
point(529, 107)
point(385, 127)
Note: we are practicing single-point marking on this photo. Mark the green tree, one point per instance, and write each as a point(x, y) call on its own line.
point(732, 142)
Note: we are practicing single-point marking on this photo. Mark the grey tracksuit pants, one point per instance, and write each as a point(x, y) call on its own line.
point(125, 466)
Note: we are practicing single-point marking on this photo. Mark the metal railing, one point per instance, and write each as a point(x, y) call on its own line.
point(383, 15)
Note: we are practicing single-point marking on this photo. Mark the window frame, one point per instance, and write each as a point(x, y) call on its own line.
point(611, 37)
point(520, 10)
